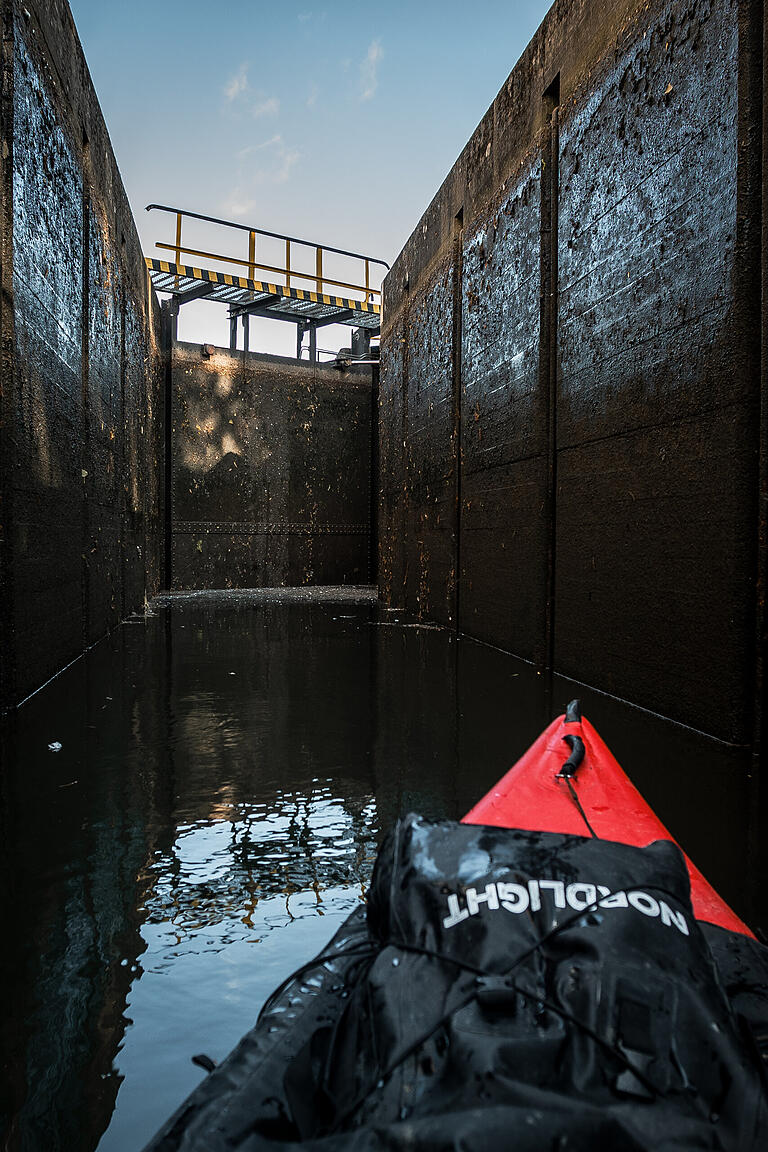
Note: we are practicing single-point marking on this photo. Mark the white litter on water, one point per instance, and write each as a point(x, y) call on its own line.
point(54, 747)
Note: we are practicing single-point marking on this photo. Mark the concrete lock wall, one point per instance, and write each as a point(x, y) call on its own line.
point(271, 461)
point(81, 420)
point(571, 365)
point(269, 481)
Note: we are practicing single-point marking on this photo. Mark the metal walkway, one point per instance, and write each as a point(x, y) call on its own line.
point(275, 300)
point(308, 307)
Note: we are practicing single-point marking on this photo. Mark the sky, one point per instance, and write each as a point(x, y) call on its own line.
point(335, 122)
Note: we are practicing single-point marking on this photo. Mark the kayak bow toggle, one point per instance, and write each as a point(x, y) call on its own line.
point(574, 742)
point(568, 770)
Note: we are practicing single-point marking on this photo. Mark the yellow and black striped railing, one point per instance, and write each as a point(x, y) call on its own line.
point(288, 271)
point(180, 278)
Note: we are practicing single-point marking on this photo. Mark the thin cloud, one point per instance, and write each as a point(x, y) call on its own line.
point(244, 153)
point(237, 84)
point(268, 107)
point(238, 92)
point(238, 204)
point(271, 162)
point(313, 95)
point(287, 160)
point(369, 70)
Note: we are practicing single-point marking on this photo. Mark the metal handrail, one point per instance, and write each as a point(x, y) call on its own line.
point(251, 263)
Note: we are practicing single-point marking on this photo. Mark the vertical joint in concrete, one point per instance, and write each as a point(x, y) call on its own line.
point(8, 383)
point(548, 347)
point(85, 402)
point(404, 517)
point(373, 474)
point(759, 784)
point(124, 488)
point(168, 349)
point(456, 369)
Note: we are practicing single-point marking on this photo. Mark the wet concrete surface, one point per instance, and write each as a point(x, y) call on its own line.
point(271, 471)
point(570, 387)
point(228, 765)
point(81, 414)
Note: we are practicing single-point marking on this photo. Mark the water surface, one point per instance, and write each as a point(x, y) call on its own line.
point(228, 765)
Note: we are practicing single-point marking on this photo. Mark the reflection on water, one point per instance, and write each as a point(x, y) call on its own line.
point(227, 884)
point(228, 765)
point(219, 873)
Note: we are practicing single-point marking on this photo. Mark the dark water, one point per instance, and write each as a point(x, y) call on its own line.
point(227, 767)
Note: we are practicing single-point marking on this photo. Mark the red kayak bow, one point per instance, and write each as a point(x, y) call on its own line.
point(586, 793)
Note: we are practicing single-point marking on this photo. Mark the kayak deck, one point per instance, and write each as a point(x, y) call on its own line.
point(597, 799)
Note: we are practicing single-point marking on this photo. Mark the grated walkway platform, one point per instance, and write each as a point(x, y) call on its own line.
point(260, 298)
